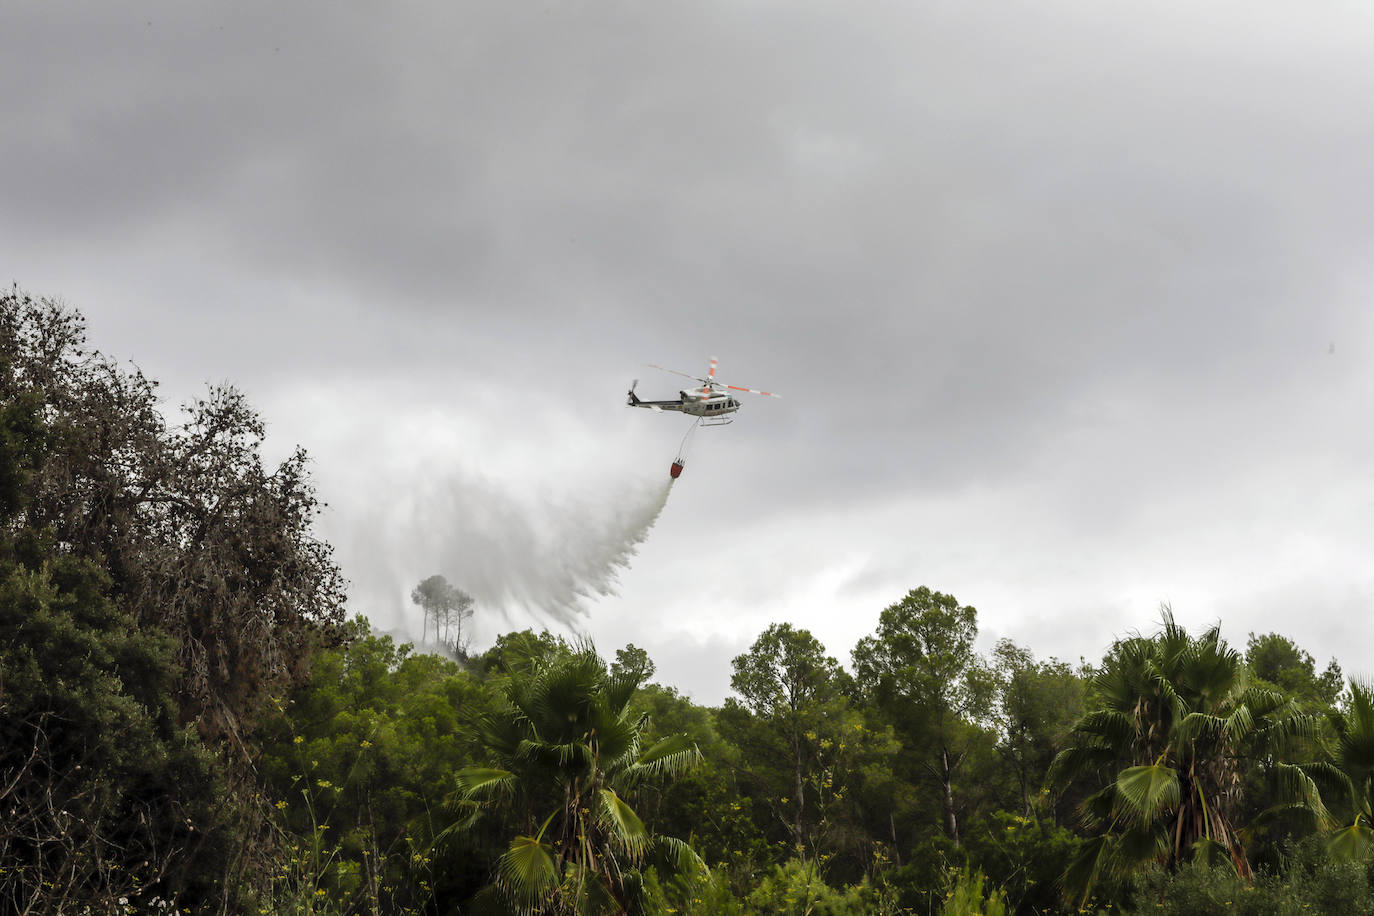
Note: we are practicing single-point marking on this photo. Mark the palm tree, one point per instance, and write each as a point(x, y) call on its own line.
point(1338, 790)
point(1172, 725)
point(566, 752)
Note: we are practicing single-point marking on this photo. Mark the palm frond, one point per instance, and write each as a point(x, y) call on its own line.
point(615, 736)
point(1138, 845)
point(1112, 726)
point(669, 757)
point(483, 782)
point(562, 755)
point(1200, 725)
point(675, 859)
point(1085, 869)
point(623, 825)
point(1143, 792)
point(1360, 710)
point(620, 689)
point(490, 901)
point(1240, 723)
point(1212, 854)
point(1098, 810)
point(1077, 760)
point(1264, 701)
point(1295, 787)
point(528, 873)
point(1286, 726)
point(502, 730)
point(1351, 843)
point(1177, 705)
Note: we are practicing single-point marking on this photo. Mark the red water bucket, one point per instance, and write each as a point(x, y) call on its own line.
point(676, 470)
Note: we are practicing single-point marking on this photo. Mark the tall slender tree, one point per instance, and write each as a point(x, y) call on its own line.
point(921, 670)
point(447, 606)
point(790, 696)
point(1037, 703)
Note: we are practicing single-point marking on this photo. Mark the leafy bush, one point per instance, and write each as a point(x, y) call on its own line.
point(966, 896)
point(1311, 882)
point(1023, 858)
point(796, 888)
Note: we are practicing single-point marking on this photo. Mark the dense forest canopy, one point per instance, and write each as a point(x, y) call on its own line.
point(191, 721)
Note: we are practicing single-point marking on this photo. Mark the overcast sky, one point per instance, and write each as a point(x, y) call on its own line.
point(1069, 302)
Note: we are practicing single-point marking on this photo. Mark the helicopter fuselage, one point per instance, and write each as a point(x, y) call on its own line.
point(698, 402)
point(707, 404)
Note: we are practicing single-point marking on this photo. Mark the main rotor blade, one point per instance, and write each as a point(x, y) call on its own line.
point(675, 372)
point(710, 376)
point(753, 391)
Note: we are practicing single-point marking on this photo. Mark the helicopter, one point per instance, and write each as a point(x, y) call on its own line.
point(711, 401)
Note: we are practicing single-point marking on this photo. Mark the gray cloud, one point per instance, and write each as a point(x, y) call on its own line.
point(1051, 290)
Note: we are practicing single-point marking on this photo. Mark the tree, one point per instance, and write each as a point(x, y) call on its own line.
point(449, 607)
point(1278, 662)
point(520, 653)
point(1037, 705)
point(922, 673)
point(359, 764)
point(1338, 789)
point(159, 586)
point(1171, 726)
point(715, 798)
point(633, 661)
point(199, 538)
point(102, 794)
point(564, 758)
point(790, 687)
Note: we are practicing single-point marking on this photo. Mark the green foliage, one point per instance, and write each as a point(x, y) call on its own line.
point(564, 755)
point(519, 653)
point(1172, 723)
point(359, 764)
point(920, 885)
point(1309, 882)
point(966, 896)
point(1337, 789)
point(1037, 706)
point(103, 794)
point(199, 538)
point(633, 661)
point(786, 723)
point(920, 672)
point(101, 790)
point(712, 801)
point(795, 888)
point(1022, 857)
point(1277, 661)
